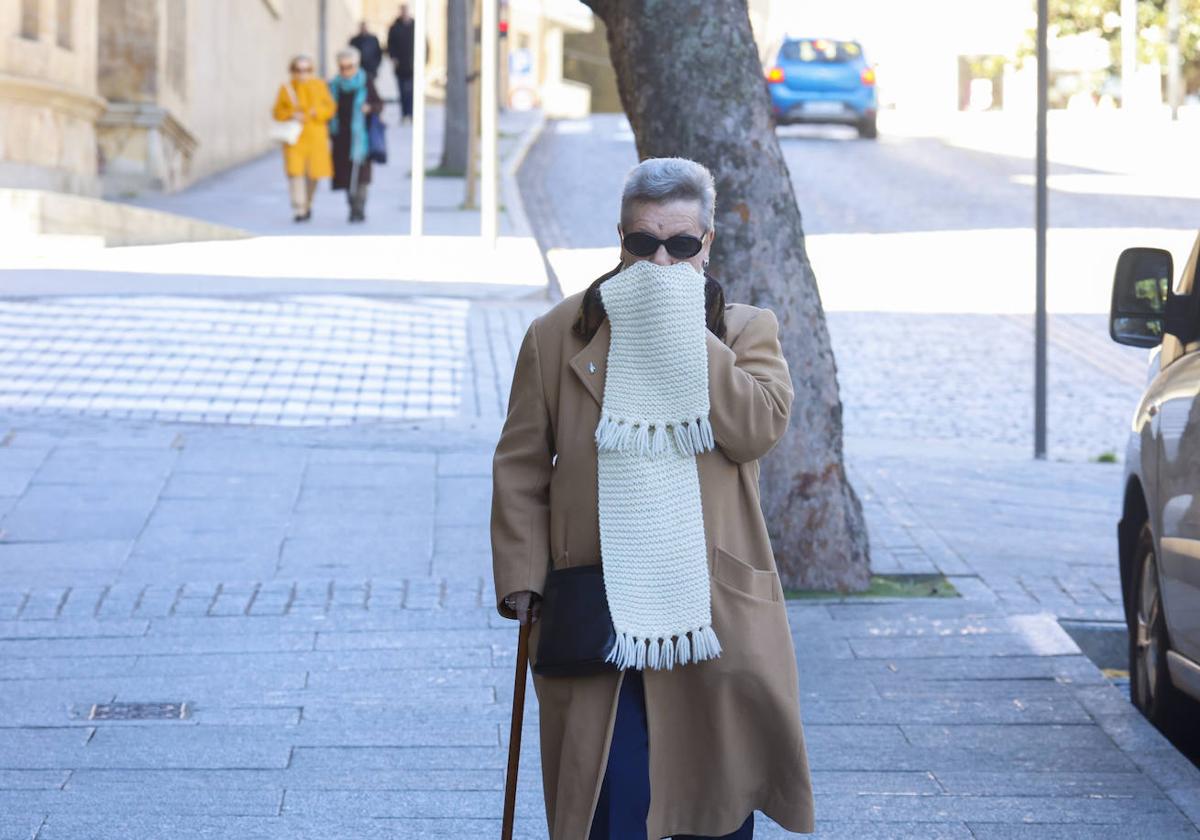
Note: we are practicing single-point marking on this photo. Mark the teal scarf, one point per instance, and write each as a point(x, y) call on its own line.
point(356, 84)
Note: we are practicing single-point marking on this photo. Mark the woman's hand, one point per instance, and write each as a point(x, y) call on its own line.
point(366, 108)
point(526, 604)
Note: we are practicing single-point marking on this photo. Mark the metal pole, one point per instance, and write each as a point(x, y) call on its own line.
point(487, 123)
point(474, 76)
point(1039, 373)
point(322, 36)
point(1174, 79)
point(417, 196)
point(1129, 36)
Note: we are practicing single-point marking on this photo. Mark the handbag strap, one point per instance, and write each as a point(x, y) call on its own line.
point(292, 96)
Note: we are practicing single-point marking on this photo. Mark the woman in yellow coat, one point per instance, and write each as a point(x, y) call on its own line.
point(306, 99)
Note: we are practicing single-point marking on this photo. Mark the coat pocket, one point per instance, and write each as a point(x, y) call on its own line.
point(740, 575)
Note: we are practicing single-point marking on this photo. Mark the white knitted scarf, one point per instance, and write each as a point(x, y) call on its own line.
point(653, 422)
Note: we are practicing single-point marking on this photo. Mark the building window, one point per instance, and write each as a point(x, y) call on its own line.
point(30, 10)
point(66, 22)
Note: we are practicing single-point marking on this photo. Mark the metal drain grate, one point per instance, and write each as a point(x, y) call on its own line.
point(138, 711)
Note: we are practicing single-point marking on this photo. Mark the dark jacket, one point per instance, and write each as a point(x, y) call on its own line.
point(400, 46)
point(342, 165)
point(372, 54)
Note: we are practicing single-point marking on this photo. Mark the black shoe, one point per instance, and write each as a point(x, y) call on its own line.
point(307, 215)
point(299, 217)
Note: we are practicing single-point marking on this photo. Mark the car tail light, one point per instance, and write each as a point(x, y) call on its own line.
point(868, 76)
point(775, 75)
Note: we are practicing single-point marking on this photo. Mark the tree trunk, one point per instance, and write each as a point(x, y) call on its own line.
point(454, 138)
point(692, 86)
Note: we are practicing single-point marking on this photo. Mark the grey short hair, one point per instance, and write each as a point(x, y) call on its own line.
point(296, 59)
point(350, 52)
point(670, 179)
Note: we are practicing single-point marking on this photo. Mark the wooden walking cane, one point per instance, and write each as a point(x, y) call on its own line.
point(514, 736)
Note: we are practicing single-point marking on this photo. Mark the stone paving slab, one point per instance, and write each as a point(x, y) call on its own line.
point(321, 595)
point(300, 827)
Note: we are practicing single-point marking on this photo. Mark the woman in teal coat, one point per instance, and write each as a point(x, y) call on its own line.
point(356, 98)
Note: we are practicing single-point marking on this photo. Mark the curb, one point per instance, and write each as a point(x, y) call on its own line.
point(510, 192)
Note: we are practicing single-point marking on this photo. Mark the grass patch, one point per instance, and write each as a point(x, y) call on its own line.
point(500, 206)
point(1106, 458)
point(887, 586)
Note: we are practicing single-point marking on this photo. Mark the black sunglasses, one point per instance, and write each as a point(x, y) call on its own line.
point(681, 245)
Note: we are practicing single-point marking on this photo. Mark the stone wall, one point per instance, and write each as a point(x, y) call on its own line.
point(48, 95)
point(232, 81)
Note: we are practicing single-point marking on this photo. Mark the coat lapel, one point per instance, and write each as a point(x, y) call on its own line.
point(589, 363)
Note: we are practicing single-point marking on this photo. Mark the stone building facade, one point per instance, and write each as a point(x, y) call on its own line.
point(120, 97)
point(49, 98)
point(117, 97)
point(190, 83)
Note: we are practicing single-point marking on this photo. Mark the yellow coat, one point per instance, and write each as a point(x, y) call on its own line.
point(310, 154)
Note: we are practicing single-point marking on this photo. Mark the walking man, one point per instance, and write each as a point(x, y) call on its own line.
point(400, 49)
point(368, 47)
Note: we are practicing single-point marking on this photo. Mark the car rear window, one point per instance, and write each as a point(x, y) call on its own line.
point(819, 50)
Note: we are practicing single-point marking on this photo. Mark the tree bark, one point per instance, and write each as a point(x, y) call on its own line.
point(692, 86)
point(454, 138)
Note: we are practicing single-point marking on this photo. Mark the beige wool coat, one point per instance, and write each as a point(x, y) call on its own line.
point(725, 734)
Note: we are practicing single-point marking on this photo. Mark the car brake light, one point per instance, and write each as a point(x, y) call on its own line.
point(868, 76)
point(775, 75)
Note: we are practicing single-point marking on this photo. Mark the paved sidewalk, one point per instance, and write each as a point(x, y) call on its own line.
point(254, 196)
point(291, 360)
point(245, 585)
point(320, 600)
point(326, 254)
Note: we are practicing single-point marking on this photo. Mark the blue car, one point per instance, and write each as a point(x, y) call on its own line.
point(822, 80)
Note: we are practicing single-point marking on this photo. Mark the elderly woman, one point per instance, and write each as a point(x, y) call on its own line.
point(638, 411)
point(305, 99)
point(356, 97)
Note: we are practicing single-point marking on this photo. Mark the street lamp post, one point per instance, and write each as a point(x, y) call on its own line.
point(1128, 51)
point(322, 36)
point(1174, 78)
point(489, 33)
point(1039, 363)
point(417, 194)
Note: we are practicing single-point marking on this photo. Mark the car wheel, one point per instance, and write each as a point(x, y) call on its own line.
point(867, 128)
point(1150, 686)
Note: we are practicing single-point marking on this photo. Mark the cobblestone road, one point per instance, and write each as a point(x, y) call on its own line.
point(962, 377)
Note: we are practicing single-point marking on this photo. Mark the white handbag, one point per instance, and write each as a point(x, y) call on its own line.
point(286, 131)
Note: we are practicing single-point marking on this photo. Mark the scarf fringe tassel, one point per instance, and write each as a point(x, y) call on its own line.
point(690, 437)
point(663, 652)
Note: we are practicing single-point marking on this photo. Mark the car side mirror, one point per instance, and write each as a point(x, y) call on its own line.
point(1141, 286)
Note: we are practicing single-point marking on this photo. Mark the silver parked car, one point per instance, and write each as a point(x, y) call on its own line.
point(1159, 530)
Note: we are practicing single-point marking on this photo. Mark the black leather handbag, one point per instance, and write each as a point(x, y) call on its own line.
point(577, 630)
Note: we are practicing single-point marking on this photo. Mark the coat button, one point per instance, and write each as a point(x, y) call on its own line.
point(591, 367)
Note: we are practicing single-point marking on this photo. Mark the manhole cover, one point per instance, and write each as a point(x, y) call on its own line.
point(138, 711)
